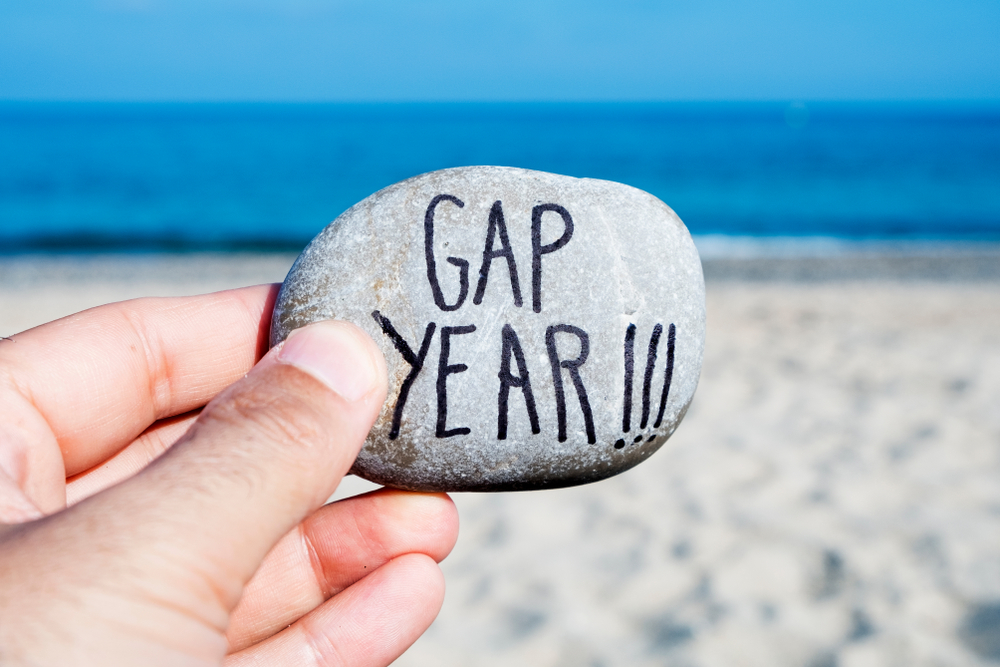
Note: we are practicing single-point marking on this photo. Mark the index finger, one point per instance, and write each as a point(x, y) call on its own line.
point(99, 378)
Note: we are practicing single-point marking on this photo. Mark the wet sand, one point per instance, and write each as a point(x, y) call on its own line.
point(832, 498)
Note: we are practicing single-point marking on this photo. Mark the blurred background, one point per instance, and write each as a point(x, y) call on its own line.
point(833, 497)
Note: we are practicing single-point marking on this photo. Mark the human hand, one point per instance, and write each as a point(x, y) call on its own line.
point(218, 551)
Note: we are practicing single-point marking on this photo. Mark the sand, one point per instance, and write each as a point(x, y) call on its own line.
point(832, 498)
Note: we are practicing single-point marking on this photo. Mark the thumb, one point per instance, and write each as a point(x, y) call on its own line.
point(263, 455)
point(269, 450)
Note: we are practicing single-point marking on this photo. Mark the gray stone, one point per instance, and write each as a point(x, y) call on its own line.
point(531, 344)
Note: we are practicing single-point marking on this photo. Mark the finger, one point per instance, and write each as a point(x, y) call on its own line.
point(368, 625)
point(261, 457)
point(92, 382)
point(149, 446)
point(334, 548)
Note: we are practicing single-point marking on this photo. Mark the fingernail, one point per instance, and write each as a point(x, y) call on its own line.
point(338, 354)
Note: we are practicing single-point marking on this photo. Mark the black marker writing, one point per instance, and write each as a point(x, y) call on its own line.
point(647, 382)
point(444, 370)
point(511, 345)
point(416, 362)
point(668, 375)
point(537, 249)
point(497, 225)
point(463, 266)
point(573, 366)
point(629, 366)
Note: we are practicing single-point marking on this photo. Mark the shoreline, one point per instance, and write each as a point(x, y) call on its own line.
point(826, 259)
point(782, 259)
point(39, 287)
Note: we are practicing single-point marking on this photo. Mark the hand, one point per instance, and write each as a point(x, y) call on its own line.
point(219, 551)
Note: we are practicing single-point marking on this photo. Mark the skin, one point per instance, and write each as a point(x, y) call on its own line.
point(162, 496)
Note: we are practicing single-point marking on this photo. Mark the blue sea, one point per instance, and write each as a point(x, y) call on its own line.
point(137, 177)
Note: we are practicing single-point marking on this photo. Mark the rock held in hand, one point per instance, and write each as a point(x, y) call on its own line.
point(540, 330)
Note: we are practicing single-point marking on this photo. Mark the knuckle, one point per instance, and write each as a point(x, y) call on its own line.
point(155, 357)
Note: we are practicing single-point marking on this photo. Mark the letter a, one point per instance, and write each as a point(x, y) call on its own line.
point(511, 345)
point(497, 224)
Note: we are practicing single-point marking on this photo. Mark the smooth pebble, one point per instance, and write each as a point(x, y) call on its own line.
point(540, 330)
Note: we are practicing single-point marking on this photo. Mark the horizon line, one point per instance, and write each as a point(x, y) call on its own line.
point(512, 101)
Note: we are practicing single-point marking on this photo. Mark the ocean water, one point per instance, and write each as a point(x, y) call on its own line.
point(237, 176)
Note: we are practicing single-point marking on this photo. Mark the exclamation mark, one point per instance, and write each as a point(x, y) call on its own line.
point(629, 366)
point(629, 372)
point(671, 342)
point(647, 382)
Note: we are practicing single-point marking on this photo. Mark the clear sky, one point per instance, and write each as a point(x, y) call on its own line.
point(361, 50)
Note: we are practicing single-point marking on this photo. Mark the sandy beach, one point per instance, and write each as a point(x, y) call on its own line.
point(832, 498)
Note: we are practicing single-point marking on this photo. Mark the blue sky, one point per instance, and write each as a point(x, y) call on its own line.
point(374, 50)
